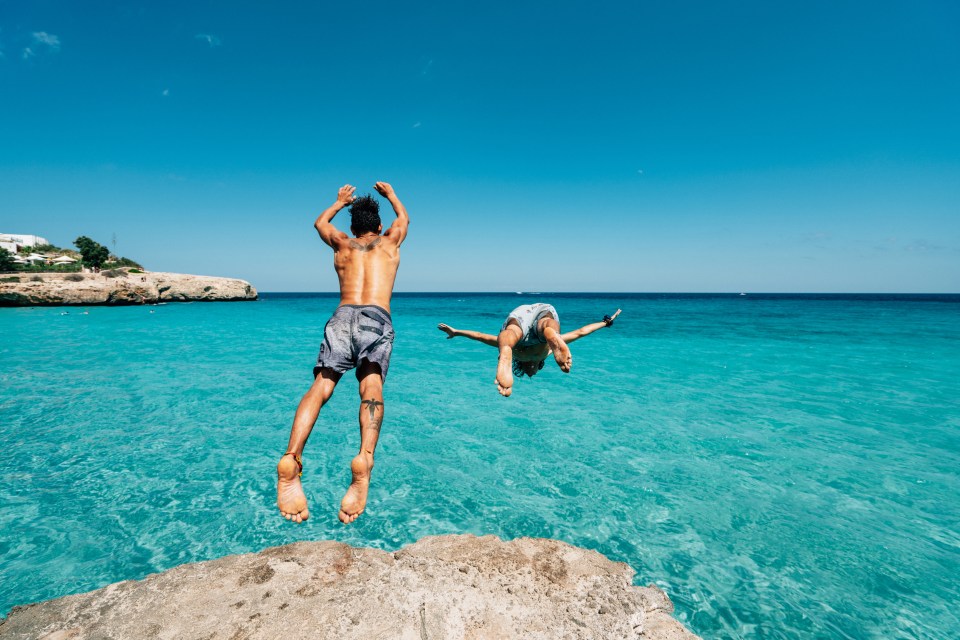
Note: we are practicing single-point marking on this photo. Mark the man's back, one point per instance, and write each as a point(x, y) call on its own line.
point(367, 263)
point(367, 269)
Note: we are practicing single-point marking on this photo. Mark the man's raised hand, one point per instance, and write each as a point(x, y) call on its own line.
point(345, 195)
point(384, 189)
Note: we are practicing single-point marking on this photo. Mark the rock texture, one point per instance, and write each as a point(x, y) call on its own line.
point(98, 289)
point(441, 588)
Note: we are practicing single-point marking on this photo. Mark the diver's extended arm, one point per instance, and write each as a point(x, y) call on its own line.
point(586, 330)
point(485, 338)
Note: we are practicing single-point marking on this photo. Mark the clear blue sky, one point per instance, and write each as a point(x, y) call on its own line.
point(601, 146)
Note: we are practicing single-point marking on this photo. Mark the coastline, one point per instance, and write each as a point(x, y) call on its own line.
point(451, 586)
point(58, 289)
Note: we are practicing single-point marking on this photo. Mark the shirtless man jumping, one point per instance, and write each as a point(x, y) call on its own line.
point(359, 334)
point(527, 337)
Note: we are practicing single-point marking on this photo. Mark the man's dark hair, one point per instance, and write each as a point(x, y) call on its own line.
point(519, 371)
point(364, 215)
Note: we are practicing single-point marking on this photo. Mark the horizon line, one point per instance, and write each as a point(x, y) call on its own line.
point(651, 293)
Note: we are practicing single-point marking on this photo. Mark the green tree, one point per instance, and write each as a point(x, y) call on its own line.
point(93, 253)
point(6, 260)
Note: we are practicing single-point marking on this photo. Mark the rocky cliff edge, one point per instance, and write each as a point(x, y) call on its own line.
point(49, 289)
point(444, 587)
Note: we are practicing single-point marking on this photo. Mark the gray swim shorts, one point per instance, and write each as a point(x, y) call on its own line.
point(353, 334)
point(528, 316)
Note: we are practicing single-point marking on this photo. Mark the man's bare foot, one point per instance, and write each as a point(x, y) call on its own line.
point(561, 352)
point(447, 329)
point(355, 500)
point(290, 497)
point(505, 374)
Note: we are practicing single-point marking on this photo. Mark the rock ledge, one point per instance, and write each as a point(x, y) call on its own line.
point(53, 289)
point(444, 587)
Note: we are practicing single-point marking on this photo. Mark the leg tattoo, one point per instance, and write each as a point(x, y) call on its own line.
point(372, 406)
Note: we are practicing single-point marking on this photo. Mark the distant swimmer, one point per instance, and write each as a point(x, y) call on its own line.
point(528, 336)
point(358, 335)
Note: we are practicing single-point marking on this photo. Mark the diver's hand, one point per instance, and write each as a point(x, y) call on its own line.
point(384, 189)
point(345, 195)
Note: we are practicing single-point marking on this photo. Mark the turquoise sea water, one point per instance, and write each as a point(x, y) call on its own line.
point(783, 467)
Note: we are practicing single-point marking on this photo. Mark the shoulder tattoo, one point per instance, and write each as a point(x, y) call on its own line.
point(365, 247)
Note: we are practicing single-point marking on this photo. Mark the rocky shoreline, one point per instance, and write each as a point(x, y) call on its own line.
point(443, 587)
point(123, 288)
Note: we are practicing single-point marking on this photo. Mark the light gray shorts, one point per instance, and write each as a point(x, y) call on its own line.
point(353, 334)
point(528, 316)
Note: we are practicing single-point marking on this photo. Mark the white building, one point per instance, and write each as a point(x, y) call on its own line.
point(13, 242)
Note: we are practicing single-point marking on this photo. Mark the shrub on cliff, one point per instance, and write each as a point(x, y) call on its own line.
point(49, 248)
point(73, 277)
point(115, 262)
point(113, 273)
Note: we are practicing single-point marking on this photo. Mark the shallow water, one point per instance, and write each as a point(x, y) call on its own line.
point(784, 467)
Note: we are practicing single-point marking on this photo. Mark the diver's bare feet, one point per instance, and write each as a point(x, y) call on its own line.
point(290, 497)
point(505, 374)
point(355, 500)
point(447, 329)
point(561, 352)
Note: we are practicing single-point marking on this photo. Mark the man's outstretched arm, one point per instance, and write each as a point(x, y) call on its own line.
point(590, 328)
point(324, 224)
point(398, 230)
point(485, 338)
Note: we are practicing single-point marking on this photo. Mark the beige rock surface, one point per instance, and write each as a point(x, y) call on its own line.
point(98, 289)
point(444, 587)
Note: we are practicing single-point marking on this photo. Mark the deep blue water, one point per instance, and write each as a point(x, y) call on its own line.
point(783, 466)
